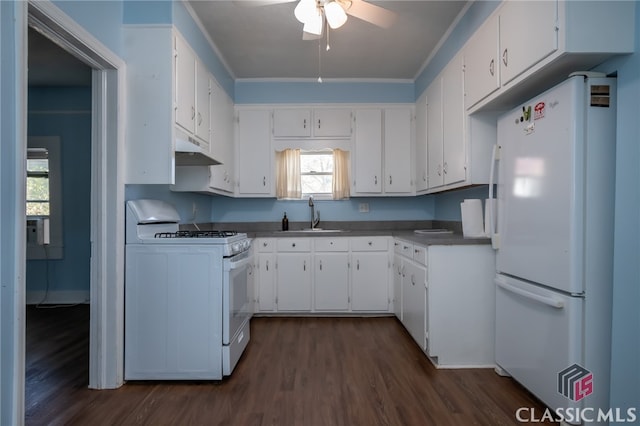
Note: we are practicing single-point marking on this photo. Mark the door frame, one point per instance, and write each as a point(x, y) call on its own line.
point(106, 351)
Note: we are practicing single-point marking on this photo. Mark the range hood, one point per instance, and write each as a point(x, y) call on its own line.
point(188, 151)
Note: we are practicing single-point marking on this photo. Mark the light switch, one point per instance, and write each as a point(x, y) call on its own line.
point(363, 207)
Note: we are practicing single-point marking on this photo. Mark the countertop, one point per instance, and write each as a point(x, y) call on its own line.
point(397, 229)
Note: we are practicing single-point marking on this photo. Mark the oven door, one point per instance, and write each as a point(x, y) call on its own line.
point(236, 296)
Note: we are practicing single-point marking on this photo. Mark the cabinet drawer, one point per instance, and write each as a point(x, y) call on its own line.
point(331, 244)
point(293, 244)
point(369, 244)
point(264, 245)
point(420, 254)
point(403, 247)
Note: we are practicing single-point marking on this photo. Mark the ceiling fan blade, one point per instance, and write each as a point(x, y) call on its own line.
point(254, 3)
point(309, 36)
point(371, 13)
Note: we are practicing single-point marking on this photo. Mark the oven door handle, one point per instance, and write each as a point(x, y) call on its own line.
point(238, 261)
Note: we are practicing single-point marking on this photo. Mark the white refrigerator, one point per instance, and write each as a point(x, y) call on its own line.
point(554, 240)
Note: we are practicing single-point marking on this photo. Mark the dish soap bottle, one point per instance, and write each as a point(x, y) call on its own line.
point(285, 222)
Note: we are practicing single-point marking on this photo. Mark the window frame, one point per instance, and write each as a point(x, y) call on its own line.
point(317, 195)
point(55, 248)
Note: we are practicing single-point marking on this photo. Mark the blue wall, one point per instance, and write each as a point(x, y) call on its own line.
point(66, 112)
point(625, 362)
point(225, 209)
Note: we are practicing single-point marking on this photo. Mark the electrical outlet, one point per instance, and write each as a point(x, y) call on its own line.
point(363, 207)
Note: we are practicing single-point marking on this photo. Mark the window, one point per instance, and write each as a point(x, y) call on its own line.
point(316, 172)
point(38, 195)
point(44, 197)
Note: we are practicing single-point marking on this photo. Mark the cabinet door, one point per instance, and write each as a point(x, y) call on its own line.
point(294, 281)
point(434, 133)
point(265, 282)
point(397, 286)
point(414, 293)
point(453, 123)
point(332, 122)
point(481, 67)
point(222, 122)
point(397, 151)
point(527, 35)
point(421, 143)
point(254, 152)
point(291, 123)
point(185, 74)
point(370, 281)
point(331, 285)
point(203, 104)
point(368, 151)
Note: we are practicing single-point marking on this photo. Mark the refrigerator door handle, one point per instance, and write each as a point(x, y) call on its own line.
point(495, 240)
point(546, 300)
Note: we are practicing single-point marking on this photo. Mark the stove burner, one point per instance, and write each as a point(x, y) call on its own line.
point(196, 234)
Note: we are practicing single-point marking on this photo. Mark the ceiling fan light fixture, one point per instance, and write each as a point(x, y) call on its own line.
point(305, 10)
point(336, 16)
point(314, 24)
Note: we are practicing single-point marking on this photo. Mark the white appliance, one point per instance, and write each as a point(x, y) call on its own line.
point(556, 163)
point(187, 299)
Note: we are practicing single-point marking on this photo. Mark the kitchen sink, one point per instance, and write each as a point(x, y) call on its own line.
point(320, 230)
point(433, 231)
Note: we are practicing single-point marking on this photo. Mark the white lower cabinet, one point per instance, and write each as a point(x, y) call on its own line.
point(414, 296)
point(461, 305)
point(293, 274)
point(331, 274)
point(265, 276)
point(370, 273)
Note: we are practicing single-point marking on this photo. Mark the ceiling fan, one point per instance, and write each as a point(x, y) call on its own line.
point(313, 13)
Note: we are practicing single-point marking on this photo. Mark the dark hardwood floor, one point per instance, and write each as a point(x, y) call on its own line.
point(296, 371)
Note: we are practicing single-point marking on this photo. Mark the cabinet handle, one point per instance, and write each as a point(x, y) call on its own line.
point(505, 57)
point(444, 168)
point(304, 123)
point(264, 244)
point(318, 123)
point(358, 264)
point(375, 180)
point(491, 67)
point(439, 170)
point(396, 244)
point(390, 180)
point(193, 113)
point(304, 265)
point(424, 176)
point(264, 181)
point(293, 244)
point(370, 243)
point(199, 119)
point(267, 265)
point(413, 282)
point(321, 265)
point(416, 251)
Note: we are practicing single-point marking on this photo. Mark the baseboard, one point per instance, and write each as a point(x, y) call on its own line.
point(57, 297)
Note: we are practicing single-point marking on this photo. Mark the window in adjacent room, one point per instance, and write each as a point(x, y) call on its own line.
point(38, 195)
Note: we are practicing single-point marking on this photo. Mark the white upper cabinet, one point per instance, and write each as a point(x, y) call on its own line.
point(481, 63)
point(319, 122)
point(528, 34)
point(368, 151)
point(447, 144)
point(522, 38)
point(222, 139)
point(254, 153)
point(332, 122)
point(421, 144)
point(291, 123)
point(193, 94)
point(397, 151)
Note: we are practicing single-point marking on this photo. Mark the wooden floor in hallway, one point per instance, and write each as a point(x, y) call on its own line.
point(295, 371)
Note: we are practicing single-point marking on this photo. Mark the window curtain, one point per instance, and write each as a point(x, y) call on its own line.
point(288, 174)
point(340, 174)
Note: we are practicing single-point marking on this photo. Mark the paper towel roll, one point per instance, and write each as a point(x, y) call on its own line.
point(472, 223)
point(490, 204)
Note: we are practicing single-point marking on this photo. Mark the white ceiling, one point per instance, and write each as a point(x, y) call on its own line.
point(266, 41)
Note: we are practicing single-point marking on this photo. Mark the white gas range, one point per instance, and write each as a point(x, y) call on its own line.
point(188, 301)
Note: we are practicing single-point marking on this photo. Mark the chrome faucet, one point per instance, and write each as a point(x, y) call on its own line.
point(315, 216)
